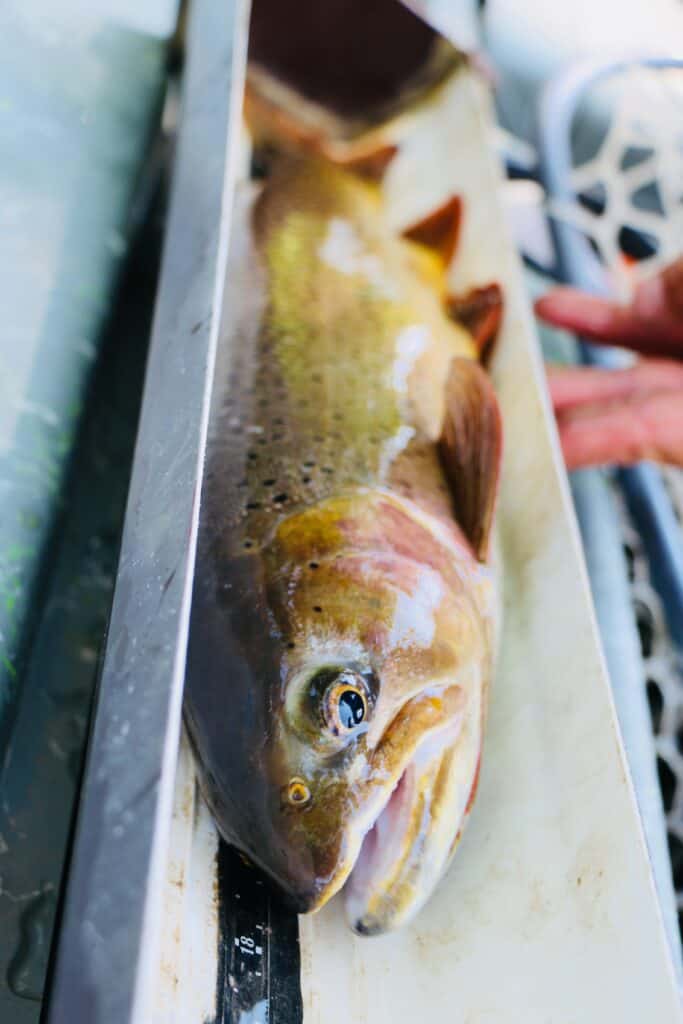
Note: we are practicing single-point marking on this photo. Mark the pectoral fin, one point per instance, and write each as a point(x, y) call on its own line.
point(470, 448)
point(439, 230)
point(480, 310)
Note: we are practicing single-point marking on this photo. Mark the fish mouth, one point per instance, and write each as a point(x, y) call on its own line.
point(409, 845)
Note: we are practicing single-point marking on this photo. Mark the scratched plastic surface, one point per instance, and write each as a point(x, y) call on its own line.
point(40, 774)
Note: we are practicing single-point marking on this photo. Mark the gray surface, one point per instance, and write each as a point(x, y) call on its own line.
point(78, 97)
point(106, 953)
point(41, 771)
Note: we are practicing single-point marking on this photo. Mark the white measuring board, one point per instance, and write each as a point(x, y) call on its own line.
point(548, 914)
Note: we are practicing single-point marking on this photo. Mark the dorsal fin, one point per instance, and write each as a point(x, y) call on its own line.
point(480, 310)
point(370, 164)
point(470, 448)
point(277, 117)
point(440, 229)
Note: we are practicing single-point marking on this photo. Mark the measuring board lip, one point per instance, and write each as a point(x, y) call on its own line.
point(108, 944)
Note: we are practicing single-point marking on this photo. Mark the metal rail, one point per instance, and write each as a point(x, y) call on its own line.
point(108, 947)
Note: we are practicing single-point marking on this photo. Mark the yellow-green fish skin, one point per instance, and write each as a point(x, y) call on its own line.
point(328, 539)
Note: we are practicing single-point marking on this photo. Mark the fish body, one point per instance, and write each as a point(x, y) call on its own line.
point(342, 632)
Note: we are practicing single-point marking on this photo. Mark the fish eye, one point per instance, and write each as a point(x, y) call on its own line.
point(345, 704)
point(332, 704)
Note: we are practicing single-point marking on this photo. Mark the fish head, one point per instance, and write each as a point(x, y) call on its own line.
point(376, 729)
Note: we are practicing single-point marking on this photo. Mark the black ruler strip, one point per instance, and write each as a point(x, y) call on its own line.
point(259, 973)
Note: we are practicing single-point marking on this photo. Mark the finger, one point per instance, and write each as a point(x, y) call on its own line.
point(658, 301)
point(585, 314)
point(645, 427)
point(672, 279)
point(570, 386)
point(609, 323)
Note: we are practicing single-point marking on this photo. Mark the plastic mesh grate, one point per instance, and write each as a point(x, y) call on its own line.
point(627, 180)
point(663, 678)
point(627, 150)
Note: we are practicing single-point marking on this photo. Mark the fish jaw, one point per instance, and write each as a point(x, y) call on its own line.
point(410, 844)
point(395, 850)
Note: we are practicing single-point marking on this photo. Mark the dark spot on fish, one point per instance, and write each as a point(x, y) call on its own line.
point(318, 438)
point(252, 505)
point(305, 479)
point(317, 608)
point(278, 421)
point(269, 482)
point(312, 565)
point(328, 469)
point(196, 327)
point(248, 544)
point(280, 499)
point(309, 463)
point(278, 435)
point(252, 456)
point(291, 645)
point(262, 441)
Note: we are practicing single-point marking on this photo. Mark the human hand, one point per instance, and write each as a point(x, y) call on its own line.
point(622, 416)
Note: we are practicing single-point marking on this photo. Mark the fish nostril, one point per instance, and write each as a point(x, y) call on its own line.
point(298, 793)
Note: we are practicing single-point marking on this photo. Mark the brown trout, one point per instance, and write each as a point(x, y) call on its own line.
point(343, 612)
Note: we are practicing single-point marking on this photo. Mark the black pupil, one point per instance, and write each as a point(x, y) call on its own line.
point(351, 709)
